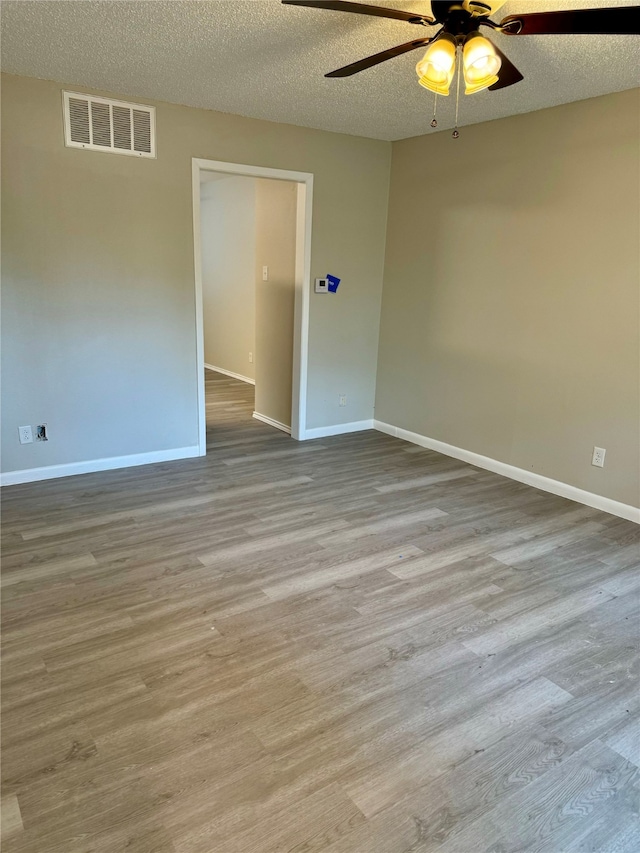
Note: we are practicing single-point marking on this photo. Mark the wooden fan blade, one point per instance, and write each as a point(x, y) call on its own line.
point(618, 20)
point(348, 70)
point(508, 74)
point(363, 9)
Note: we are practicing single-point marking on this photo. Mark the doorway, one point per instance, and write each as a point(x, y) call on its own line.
point(302, 200)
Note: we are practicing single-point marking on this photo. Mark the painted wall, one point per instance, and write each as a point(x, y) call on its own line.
point(98, 275)
point(510, 318)
point(275, 248)
point(228, 227)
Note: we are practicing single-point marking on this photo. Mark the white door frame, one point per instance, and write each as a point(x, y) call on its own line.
point(304, 181)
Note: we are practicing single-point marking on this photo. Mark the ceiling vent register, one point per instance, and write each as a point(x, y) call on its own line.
point(101, 124)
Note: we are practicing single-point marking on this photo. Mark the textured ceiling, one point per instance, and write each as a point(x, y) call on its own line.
point(261, 59)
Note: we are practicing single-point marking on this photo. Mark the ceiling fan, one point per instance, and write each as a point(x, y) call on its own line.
point(483, 64)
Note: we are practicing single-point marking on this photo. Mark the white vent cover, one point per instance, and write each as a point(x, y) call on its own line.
point(105, 125)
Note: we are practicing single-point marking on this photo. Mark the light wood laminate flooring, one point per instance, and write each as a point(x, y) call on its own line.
point(348, 645)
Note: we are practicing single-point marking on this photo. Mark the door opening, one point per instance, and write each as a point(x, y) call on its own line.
point(283, 242)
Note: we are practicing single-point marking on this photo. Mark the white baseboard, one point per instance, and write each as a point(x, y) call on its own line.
point(230, 373)
point(271, 422)
point(338, 429)
point(546, 484)
point(50, 472)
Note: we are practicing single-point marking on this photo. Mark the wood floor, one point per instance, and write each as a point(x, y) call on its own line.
point(349, 645)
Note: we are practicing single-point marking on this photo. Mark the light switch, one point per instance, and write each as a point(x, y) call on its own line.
point(265, 273)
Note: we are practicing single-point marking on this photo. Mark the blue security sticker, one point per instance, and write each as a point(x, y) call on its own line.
point(334, 281)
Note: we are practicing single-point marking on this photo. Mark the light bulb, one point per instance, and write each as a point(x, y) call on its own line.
point(435, 70)
point(481, 63)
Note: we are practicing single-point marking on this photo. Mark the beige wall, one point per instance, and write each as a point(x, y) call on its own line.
point(510, 316)
point(98, 275)
point(511, 295)
point(228, 227)
point(276, 203)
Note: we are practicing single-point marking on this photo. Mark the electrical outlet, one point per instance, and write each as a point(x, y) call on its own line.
point(265, 273)
point(342, 399)
point(26, 436)
point(250, 358)
point(41, 433)
point(598, 457)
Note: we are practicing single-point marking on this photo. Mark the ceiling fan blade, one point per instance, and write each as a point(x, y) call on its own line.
point(618, 20)
point(508, 74)
point(363, 9)
point(348, 70)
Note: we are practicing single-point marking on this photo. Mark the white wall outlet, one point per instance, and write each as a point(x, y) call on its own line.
point(42, 433)
point(598, 457)
point(250, 358)
point(26, 436)
point(322, 285)
point(265, 273)
point(342, 399)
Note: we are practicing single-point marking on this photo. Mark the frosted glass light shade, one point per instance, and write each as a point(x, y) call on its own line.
point(480, 62)
point(435, 70)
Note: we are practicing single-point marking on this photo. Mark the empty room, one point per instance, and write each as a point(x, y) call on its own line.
point(320, 426)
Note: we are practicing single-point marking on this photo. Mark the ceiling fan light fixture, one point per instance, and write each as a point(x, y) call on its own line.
point(435, 70)
point(480, 62)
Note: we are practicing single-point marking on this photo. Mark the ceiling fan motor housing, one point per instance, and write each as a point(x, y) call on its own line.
point(461, 20)
point(478, 8)
point(442, 10)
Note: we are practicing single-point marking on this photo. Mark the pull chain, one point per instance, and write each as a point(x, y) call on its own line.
point(434, 122)
point(456, 133)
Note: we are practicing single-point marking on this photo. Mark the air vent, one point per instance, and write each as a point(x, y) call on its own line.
point(101, 124)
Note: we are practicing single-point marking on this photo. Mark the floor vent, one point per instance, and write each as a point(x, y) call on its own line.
point(102, 124)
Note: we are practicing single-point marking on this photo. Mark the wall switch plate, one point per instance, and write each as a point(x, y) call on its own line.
point(342, 399)
point(265, 273)
point(250, 358)
point(26, 436)
point(598, 457)
point(322, 285)
point(41, 433)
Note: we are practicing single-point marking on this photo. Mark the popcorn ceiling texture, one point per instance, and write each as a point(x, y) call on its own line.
point(260, 59)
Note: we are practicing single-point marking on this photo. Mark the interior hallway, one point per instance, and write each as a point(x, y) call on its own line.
point(229, 406)
point(350, 645)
